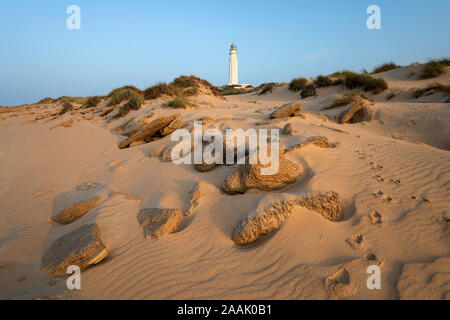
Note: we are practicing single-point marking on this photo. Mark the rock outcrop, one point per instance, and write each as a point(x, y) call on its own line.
point(157, 222)
point(249, 177)
point(82, 247)
point(358, 112)
point(268, 218)
point(158, 127)
point(288, 110)
point(76, 211)
point(319, 141)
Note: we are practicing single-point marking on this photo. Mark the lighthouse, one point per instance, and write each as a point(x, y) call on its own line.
point(233, 73)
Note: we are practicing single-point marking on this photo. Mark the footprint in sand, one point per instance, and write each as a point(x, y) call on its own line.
point(114, 165)
point(370, 257)
point(381, 195)
point(375, 166)
point(396, 181)
point(339, 283)
point(5, 265)
point(356, 241)
point(378, 178)
point(43, 191)
point(376, 218)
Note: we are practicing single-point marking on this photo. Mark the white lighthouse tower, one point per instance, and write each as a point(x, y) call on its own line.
point(233, 75)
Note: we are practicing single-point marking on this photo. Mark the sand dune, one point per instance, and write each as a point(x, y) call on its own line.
point(391, 173)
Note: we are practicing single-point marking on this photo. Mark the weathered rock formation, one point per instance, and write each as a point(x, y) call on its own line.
point(82, 247)
point(76, 211)
point(157, 222)
point(266, 219)
point(158, 127)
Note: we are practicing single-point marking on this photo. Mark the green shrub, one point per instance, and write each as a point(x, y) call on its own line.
point(92, 102)
point(67, 106)
point(179, 102)
point(323, 81)
point(120, 95)
point(268, 87)
point(431, 89)
point(308, 91)
point(297, 84)
point(365, 82)
point(434, 68)
point(158, 90)
point(385, 67)
point(45, 101)
point(134, 103)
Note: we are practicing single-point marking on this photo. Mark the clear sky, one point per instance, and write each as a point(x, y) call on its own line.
point(143, 42)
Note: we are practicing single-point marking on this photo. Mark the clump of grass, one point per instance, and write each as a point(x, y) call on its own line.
point(67, 106)
point(179, 102)
point(45, 101)
point(183, 85)
point(323, 81)
point(308, 91)
point(92, 102)
point(385, 67)
point(434, 68)
point(390, 95)
point(431, 89)
point(158, 90)
point(119, 95)
point(134, 103)
point(353, 80)
point(297, 84)
point(268, 87)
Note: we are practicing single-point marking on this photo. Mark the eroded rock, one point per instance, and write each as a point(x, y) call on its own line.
point(358, 112)
point(157, 222)
point(157, 126)
point(249, 176)
point(76, 211)
point(267, 218)
point(288, 110)
point(82, 247)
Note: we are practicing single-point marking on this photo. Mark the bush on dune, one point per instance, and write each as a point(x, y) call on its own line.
point(179, 102)
point(67, 106)
point(353, 80)
point(385, 67)
point(434, 68)
point(323, 81)
point(92, 102)
point(308, 91)
point(134, 103)
point(297, 84)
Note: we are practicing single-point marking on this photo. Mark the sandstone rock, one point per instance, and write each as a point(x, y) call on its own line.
point(267, 218)
point(287, 110)
point(319, 141)
point(288, 130)
point(82, 247)
point(76, 211)
point(157, 126)
point(358, 112)
point(175, 124)
point(249, 176)
point(157, 222)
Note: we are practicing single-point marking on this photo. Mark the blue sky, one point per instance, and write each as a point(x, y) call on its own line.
point(143, 42)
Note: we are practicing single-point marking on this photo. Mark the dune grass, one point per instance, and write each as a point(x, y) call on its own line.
point(181, 86)
point(434, 68)
point(323, 81)
point(92, 102)
point(297, 84)
point(431, 89)
point(385, 67)
point(134, 103)
point(67, 106)
point(308, 91)
point(179, 102)
point(268, 87)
